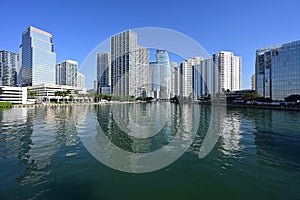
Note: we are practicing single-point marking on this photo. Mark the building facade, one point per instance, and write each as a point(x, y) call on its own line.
point(186, 76)
point(253, 82)
point(15, 95)
point(205, 79)
point(230, 70)
point(8, 68)
point(174, 79)
point(80, 80)
point(38, 57)
point(66, 73)
point(129, 64)
point(277, 71)
point(103, 71)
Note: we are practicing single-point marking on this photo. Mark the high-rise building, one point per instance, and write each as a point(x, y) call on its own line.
point(230, 68)
point(205, 78)
point(277, 71)
point(8, 67)
point(66, 73)
point(103, 71)
point(186, 76)
point(162, 58)
point(129, 64)
point(38, 57)
point(154, 68)
point(253, 82)
point(174, 79)
point(80, 80)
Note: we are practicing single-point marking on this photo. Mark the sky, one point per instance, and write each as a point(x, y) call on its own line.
point(78, 26)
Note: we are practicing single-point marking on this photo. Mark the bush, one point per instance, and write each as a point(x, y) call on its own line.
point(5, 104)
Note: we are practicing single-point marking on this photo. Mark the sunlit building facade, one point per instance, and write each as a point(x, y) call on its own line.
point(38, 57)
point(66, 73)
point(277, 71)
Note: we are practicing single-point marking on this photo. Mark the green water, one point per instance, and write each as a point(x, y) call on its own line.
point(42, 156)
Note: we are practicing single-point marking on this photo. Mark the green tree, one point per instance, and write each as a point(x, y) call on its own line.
point(292, 98)
point(250, 96)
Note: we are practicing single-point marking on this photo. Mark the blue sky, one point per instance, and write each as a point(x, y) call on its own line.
point(78, 26)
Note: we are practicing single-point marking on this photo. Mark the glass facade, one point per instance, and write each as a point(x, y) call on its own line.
point(162, 58)
point(38, 57)
point(277, 71)
point(103, 71)
point(8, 67)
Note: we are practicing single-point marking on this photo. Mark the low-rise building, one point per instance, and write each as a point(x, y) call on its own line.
point(15, 95)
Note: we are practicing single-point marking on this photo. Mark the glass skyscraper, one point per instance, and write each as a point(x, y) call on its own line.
point(277, 71)
point(103, 71)
point(38, 57)
point(8, 67)
point(162, 58)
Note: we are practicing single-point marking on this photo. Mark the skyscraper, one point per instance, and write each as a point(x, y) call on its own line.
point(66, 73)
point(253, 82)
point(129, 64)
point(174, 79)
point(229, 67)
point(205, 78)
point(162, 58)
point(277, 70)
point(186, 76)
point(80, 80)
point(103, 71)
point(38, 57)
point(8, 67)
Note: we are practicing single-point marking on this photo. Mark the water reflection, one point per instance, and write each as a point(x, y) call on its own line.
point(112, 145)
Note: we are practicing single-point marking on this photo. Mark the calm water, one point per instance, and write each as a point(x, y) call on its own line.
point(42, 154)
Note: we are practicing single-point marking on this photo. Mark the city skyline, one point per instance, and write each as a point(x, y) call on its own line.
point(95, 23)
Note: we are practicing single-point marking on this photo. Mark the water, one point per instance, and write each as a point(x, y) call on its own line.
point(43, 156)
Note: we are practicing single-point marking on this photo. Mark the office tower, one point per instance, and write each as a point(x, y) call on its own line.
point(253, 82)
point(229, 67)
point(154, 68)
point(38, 57)
point(277, 71)
point(186, 76)
point(103, 71)
point(8, 67)
point(80, 80)
point(174, 79)
point(162, 58)
point(66, 73)
point(95, 85)
point(19, 74)
point(129, 63)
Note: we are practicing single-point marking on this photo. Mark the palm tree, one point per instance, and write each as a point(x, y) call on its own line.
point(1, 90)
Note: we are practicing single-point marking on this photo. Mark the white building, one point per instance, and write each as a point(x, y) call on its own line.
point(186, 76)
point(80, 80)
point(230, 68)
point(129, 65)
point(66, 73)
point(15, 95)
point(174, 79)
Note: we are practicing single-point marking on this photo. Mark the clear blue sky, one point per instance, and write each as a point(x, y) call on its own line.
point(78, 26)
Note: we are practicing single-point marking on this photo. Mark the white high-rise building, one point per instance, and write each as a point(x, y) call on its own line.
point(230, 68)
point(186, 76)
point(80, 80)
point(66, 73)
point(129, 65)
point(174, 79)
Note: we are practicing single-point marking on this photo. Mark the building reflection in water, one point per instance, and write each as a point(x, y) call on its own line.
point(34, 135)
point(231, 135)
point(138, 128)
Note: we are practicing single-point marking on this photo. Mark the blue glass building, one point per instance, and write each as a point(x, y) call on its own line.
point(277, 71)
point(162, 58)
point(38, 57)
